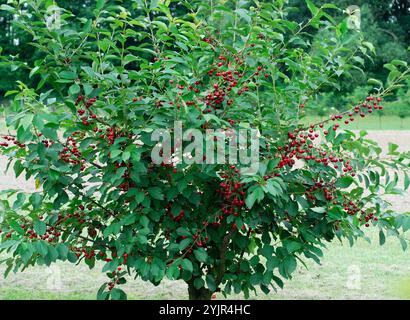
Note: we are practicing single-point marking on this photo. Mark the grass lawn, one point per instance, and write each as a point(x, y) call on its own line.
point(366, 271)
point(373, 122)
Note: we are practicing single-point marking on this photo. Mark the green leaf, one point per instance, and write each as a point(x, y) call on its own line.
point(36, 200)
point(68, 75)
point(40, 227)
point(156, 193)
point(371, 47)
point(292, 208)
point(273, 187)
point(126, 156)
point(382, 237)
point(319, 209)
point(376, 82)
point(62, 251)
point(99, 5)
point(344, 182)
point(187, 265)
point(33, 71)
point(256, 194)
point(210, 282)
point(200, 254)
point(8, 244)
point(153, 4)
point(330, 6)
point(52, 253)
point(144, 221)
point(399, 63)
point(118, 294)
point(6, 7)
point(173, 271)
point(331, 135)
point(278, 281)
point(10, 92)
point(74, 90)
point(244, 14)
point(393, 148)
point(71, 256)
point(185, 243)
point(403, 243)
point(17, 227)
point(256, 278)
point(50, 133)
point(293, 246)
point(101, 294)
point(290, 264)
point(312, 8)
point(139, 196)
point(18, 168)
point(272, 263)
point(41, 248)
point(199, 283)
point(21, 198)
point(115, 153)
point(110, 266)
point(181, 231)
point(26, 252)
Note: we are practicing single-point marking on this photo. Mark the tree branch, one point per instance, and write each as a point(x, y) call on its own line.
point(222, 255)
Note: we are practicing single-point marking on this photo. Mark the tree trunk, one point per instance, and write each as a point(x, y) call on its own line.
point(198, 294)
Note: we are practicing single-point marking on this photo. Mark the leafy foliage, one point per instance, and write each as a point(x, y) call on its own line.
point(108, 80)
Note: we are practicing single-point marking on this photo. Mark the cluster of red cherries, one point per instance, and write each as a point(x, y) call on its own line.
point(70, 153)
point(232, 193)
point(10, 140)
point(352, 209)
point(87, 104)
point(300, 144)
point(226, 73)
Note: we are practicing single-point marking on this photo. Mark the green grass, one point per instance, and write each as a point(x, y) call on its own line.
point(21, 293)
point(373, 122)
point(383, 273)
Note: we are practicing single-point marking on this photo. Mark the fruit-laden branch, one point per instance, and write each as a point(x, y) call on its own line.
point(14, 137)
